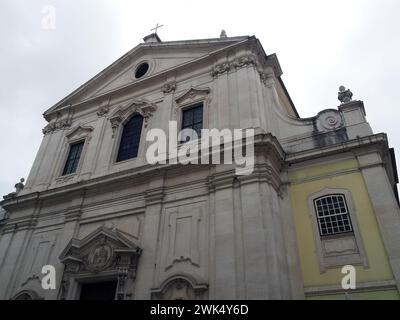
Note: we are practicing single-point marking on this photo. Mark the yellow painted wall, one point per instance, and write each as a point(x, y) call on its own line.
point(341, 174)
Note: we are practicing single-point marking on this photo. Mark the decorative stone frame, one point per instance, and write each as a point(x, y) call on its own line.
point(338, 250)
point(26, 295)
point(180, 287)
point(152, 66)
point(75, 135)
point(101, 256)
point(190, 98)
point(121, 116)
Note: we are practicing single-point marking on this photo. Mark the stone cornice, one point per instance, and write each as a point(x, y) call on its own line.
point(59, 121)
point(73, 214)
point(154, 196)
point(221, 180)
point(237, 63)
point(322, 176)
point(25, 223)
point(377, 140)
point(361, 287)
point(264, 143)
point(261, 173)
point(56, 125)
point(267, 77)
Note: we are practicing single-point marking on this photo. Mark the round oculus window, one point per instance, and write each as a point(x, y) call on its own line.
point(141, 70)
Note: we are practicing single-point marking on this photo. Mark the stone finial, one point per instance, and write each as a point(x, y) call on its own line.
point(223, 34)
point(20, 186)
point(345, 95)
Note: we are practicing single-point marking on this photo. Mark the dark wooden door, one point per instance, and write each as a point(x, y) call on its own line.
point(98, 291)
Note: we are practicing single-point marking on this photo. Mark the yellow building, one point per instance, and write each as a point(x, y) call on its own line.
point(375, 278)
point(358, 174)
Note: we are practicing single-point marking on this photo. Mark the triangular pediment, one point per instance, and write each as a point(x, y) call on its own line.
point(79, 131)
point(158, 62)
point(160, 57)
point(192, 94)
point(99, 249)
point(117, 238)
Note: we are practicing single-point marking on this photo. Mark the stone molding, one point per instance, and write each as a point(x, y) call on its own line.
point(154, 196)
point(73, 214)
point(80, 131)
point(361, 287)
point(192, 95)
point(104, 108)
point(264, 143)
point(341, 249)
point(26, 295)
point(122, 113)
point(104, 252)
point(243, 61)
point(266, 77)
point(377, 140)
point(182, 287)
point(169, 88)
point(57, 125)
point(28, 223)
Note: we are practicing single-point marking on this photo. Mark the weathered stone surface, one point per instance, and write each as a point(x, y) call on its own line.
point(202, 232)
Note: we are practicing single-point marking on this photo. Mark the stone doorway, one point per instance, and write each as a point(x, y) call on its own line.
point(102, 291)
point(102, 266)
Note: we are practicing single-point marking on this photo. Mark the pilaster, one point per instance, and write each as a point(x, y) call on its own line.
point(151, 239)
point(385, 206)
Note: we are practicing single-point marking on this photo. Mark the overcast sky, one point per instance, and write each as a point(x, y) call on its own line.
point(321, 44)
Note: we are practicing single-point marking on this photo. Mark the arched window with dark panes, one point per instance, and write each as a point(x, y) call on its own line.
point(130, 138)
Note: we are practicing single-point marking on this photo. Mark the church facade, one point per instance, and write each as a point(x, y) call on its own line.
point(321, 196)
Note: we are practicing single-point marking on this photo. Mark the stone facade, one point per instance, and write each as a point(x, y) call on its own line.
point(188, 232)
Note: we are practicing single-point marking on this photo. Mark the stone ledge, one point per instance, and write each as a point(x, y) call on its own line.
point(361, 287)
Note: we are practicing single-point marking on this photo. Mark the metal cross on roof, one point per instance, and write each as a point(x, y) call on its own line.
point(157, 27)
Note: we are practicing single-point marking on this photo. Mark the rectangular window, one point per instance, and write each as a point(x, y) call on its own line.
point(332, 215)
point(74, 155)
point(192, 118)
